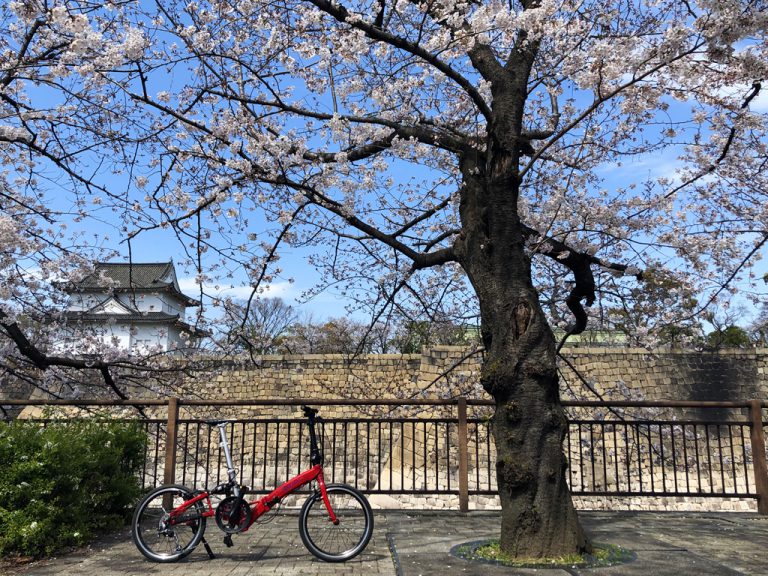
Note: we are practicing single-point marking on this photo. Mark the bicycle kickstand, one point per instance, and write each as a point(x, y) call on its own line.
point(211, 555)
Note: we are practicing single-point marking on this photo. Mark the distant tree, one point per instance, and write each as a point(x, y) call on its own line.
point(414, 335)
point(729, 337)
point(260, 326)
point(332, 336)
point(663, 306)
point(726, 333)
point(758, 330)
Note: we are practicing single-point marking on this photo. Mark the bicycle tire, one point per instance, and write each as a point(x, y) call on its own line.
point(345, 540)
point(157, 541)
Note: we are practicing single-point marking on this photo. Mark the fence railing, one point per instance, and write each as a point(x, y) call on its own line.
point(701, 449)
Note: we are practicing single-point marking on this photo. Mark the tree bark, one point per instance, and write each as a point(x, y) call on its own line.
point(520, 372)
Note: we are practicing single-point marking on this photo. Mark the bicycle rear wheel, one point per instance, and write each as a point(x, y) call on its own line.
point(342, 541)
point(155, 537)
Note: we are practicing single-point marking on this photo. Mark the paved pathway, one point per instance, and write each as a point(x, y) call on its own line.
point(271, 548)
point(665, 544)
point(418, 543)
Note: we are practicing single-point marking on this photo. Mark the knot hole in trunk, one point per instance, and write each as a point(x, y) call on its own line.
point(521, 319)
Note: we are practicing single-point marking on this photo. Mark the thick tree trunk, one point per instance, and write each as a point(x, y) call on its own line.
point(529, 425)
point(538, 517)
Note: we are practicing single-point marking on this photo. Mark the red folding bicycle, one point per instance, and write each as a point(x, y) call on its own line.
point(335, 522)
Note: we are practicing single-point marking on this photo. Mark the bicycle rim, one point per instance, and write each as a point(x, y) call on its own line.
point(154, 537)
point(345, 540)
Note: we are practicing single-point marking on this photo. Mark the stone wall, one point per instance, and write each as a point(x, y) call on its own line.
point(586, 373)
point(438, 373)
point(670, 374)
point(315, 376)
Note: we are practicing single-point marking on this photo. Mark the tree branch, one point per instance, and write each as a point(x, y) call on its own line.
point(420, 260)
point(602, 99)
point(341, 14)
point(580, 264)
point(43, 361)
point(427, 131)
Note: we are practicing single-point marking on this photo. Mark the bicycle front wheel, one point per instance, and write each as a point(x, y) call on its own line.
point(344, 540)
point(156, 536)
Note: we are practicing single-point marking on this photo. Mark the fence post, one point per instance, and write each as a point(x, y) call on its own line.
point(463, 457)
point(757, 437)
point(170, 441)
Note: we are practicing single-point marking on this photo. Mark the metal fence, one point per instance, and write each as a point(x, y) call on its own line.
point(675, 449)
point(668, 458)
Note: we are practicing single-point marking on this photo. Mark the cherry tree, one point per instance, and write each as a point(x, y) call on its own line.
point(531, 158)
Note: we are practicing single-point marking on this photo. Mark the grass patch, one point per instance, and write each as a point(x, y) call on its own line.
point(488, 551)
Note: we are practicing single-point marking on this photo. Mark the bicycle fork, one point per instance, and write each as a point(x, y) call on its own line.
point(327, 501)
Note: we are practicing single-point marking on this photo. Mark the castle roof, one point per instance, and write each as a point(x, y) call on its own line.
point(132, 318)
point(132, 277)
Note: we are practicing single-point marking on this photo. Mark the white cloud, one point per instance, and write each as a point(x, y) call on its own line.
point(740, 91)
point(190, 287)
point(760, 103)
point(649, 166)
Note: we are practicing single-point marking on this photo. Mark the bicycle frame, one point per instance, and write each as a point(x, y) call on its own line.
point(264, 504)
point(164, 533)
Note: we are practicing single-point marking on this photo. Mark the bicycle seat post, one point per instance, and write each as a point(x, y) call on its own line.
point(231, 474)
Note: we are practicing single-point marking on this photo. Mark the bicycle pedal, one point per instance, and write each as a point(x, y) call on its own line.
point(228, 540)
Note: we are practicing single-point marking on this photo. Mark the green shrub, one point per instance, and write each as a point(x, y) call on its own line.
point(63, 483)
